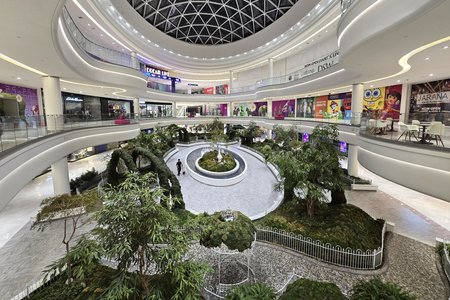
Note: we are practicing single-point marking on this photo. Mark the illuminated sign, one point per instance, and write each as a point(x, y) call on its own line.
point(155, 71)
point(74, 98)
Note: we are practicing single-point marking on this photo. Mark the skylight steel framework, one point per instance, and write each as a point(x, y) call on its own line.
point(211, 22)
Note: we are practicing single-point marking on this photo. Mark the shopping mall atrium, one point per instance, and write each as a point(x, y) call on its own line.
point(80, 79)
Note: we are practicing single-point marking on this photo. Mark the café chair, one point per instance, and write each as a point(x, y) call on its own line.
point(415, 122)
point(434, 132)
point(408, 131)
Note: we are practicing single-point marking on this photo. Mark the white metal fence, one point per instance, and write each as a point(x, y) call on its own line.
point(337, 255)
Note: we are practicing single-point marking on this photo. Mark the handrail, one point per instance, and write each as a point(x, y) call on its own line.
point(95, 50)
point(320, 64)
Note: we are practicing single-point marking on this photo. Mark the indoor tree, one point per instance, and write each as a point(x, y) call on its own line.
point(146, 242)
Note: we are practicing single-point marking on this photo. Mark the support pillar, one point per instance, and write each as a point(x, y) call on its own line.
point(229, 109)
point(269, 109)
point(136, 108)
point(270, 70)
point(404, 103)
point(53, 103)
point(230, 84)
point(173, 85)
point(174, 109)
point(357, 103)
point(60, 175)
point(352, 162)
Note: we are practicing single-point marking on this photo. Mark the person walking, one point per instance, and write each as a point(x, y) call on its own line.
point(179, 164)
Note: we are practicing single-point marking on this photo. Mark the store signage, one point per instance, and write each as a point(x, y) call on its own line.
point(192, 84)
point(441, 97)
point(74, 99)
point(316, 66)
point(155, 71)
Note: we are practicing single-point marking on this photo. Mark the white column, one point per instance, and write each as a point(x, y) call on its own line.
point(134, 60)
point(229, 109)
point(53, 103)
point(269, 108)
point(136, 107)
point(230, 84)
point(352, 162)
point(269, 134)
point(357, 103)
point(60, 174)
point(404, 103)
point(174, 109)
point(270, 69)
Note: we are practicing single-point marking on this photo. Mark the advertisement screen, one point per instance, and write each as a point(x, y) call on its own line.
point(26, 98)
point(305, 107)
point(320, 109)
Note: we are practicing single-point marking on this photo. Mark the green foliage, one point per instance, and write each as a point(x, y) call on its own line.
point(377, 289)
point(131, 227)
point(58, 290)
point(82, 180)
point(216, 129)
point(337, 225)
point(209, 162)
point(237, 235)
point(312, 290)
point(57, 205)
point(255, 291)
point(286, 138)
point(167, 180)
point(248, 134)
point(113, 176)
point(314, 168)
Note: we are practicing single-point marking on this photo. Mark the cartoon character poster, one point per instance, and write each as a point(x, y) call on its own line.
point(320, 110)
point(334, 109)
point(305, 107)
point(283, 108)
point(256, 109)
point(392, 102)
point(374, 99)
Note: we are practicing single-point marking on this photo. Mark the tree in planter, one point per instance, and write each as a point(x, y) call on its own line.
point(248, 134)
point(312, 169)
point(286, 138)
point(70, 210)
point(135, 231)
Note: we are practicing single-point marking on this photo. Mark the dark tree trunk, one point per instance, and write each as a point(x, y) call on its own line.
point(338, 197)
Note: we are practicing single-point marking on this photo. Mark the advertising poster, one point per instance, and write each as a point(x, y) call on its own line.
point(283, 108)
point(430, 96)
point(374, 99)
point(320, 110)
point(208, 91)
point(26, 98)
point(222, 89)
point(305, 107)
point(334, 109)
point(255, 109)
point(393, 98)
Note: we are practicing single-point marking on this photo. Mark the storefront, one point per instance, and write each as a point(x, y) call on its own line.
point(155, 110)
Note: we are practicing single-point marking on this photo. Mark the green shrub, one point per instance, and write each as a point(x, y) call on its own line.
point(312, 290)
point(209, 162)
point(337, 224)
point(83, 180)
point(238, 234)
point(255, 291)
point(379, 290)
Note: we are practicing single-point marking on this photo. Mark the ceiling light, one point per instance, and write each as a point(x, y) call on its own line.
point(427, 58)
point(81, 92)
point(18, 78)
point(101, 34)
point(64, 89)
point(309, 14)
point(89, 24)
point(399, 81)
point(445, 47)
point(431, 74)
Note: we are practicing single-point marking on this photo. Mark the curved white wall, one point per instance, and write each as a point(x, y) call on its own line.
point(420, 169)
point(19, 167)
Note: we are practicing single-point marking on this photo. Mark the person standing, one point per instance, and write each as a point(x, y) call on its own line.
point(179, 164)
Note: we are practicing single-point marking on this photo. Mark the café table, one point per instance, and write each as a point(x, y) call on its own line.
point(424, 126)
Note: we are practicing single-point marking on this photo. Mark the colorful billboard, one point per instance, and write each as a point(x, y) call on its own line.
point(305, 107)
point(373, 99)
point(256, 109)
point(320, 110)
point(222, 89)
point(27, 99)
point(392, 102)
point(283, 108)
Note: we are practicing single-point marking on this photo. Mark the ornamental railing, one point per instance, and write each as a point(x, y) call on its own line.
point(336, 255)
